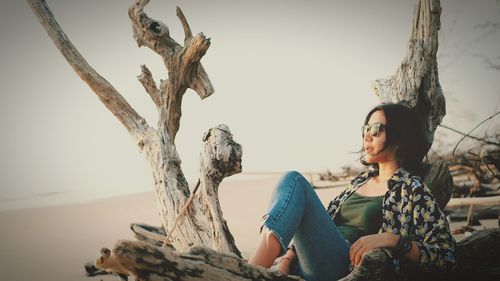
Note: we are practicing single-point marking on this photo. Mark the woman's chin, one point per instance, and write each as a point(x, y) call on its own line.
point(370, 160)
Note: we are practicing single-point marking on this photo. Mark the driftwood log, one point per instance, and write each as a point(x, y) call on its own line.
point(473, 208)
point(415, 83)
point(477, 257)
point(144, 261)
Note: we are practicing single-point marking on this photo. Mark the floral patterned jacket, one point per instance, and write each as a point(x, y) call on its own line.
point(409, 209)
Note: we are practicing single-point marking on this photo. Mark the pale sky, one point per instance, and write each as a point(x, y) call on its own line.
point(292, 81)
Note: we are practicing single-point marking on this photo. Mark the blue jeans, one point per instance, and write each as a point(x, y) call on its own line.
point(295, 211)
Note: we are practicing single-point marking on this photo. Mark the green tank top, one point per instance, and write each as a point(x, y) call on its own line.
point(359, 216)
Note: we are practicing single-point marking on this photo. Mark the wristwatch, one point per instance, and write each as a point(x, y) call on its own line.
point(403, 246)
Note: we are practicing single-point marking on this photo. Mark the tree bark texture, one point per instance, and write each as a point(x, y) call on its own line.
point(416, 84)
point(416, 81)
point(477, 257)
point(221, 156)
point(144, 261)
point(438, 178)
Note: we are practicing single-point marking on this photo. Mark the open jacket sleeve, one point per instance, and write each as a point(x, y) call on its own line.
point(431, 231)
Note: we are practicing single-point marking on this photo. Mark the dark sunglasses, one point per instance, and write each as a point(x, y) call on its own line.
point(374, 129)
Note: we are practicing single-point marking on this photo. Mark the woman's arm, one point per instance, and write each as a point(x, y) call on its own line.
point(380, 240)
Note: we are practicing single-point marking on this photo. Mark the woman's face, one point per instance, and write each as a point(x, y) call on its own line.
point(373, 146)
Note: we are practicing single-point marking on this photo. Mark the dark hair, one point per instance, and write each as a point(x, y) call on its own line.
point(404, 132)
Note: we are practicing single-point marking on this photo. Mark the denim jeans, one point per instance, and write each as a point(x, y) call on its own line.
point(295, 211)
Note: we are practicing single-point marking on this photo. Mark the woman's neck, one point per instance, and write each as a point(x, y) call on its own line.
point(387, 169)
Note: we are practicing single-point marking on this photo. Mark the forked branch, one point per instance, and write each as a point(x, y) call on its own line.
point(182, 63)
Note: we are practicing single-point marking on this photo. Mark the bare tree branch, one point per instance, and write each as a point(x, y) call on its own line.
point(187, 30)
point(486, 60)
point(147, 81)
point(468, 135)
point(151, 33)
point(183, 63)
point(133, 122)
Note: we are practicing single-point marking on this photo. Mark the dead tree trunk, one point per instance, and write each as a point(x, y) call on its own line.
point(416, 81)
point(416, 84)
point(204, 225)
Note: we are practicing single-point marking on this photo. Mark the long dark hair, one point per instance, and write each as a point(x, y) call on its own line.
point(404, 132)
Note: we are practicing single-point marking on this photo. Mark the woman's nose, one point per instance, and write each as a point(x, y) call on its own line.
point(367, 137)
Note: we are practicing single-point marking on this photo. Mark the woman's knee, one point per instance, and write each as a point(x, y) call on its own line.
point(294, 179)
point(292, 176)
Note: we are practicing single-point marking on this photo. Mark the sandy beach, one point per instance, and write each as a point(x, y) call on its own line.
point(53, 243)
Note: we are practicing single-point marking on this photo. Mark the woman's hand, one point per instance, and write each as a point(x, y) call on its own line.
point(370, 242)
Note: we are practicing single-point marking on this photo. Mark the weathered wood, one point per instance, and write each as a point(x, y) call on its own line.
point(184, 71)
point(221, 157)
point(375, 265)
point(109, 96)
point(147, 81)
point(204, 225)
point(478, 256)
point(474, 208)
point(182, 62)
point(477, 259)
point(144, 261)
point(437, 177)
point(148, 233)
point(476, 201)
point(93, 270)
point(416, 81)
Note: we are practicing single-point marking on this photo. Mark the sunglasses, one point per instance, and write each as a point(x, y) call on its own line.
point(374, 129)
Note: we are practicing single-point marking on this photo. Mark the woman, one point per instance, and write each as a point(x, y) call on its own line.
point(385, 206)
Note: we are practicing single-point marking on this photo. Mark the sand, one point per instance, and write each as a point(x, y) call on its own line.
point(53, 243)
